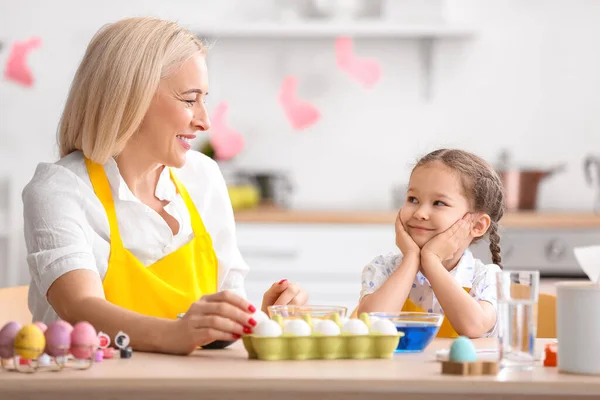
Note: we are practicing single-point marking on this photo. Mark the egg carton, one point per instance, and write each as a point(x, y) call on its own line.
point(320, 347)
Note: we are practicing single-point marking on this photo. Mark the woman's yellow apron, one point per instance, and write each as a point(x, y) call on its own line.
point(170, 285)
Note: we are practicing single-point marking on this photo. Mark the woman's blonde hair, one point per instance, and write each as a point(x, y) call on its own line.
point(116, 81)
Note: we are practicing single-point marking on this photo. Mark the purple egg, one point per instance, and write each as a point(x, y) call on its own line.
point(7, 339)
point(58, 339)
point(84, 340)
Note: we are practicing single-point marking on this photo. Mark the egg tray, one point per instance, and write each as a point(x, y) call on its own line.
point(320, 347)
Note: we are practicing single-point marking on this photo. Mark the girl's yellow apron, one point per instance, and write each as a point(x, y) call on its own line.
point(170, 285)
point(446, 330)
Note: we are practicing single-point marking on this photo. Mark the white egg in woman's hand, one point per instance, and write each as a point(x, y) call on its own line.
point(297, 327)
point(268, 328)
point(355, 327)
point(260, 316)
point(384, 327)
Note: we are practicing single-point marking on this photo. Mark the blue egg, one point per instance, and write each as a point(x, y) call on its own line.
point(462, 350)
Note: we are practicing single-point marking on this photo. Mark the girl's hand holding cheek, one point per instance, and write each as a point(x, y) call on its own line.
point(405, 243)
point(444, 246)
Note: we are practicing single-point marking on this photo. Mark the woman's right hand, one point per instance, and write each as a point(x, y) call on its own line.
point(405, 243)
point(220, 316)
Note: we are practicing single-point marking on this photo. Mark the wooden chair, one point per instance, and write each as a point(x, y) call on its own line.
point(13, 305)
point(546, 316)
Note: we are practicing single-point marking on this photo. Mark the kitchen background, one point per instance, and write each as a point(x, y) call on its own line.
point(519, 78)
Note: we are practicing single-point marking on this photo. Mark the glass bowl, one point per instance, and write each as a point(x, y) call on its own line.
point(419, 329)
point(315, 312)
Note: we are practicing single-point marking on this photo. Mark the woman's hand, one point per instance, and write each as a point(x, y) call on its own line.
point(283, 293)
point(220, 316)
point(444, 246)
point(405, 243)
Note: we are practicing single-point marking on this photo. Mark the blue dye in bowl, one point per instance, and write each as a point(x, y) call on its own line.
point(419, 329)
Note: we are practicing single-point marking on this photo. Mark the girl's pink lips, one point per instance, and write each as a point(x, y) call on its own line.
point(420, 228)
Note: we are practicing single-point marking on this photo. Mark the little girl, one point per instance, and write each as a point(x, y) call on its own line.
point(454, 198)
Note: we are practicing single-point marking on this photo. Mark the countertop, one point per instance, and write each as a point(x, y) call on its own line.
point(525, 219)
point(228, 374)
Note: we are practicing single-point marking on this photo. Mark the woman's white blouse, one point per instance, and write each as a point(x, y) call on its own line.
point(66, 227)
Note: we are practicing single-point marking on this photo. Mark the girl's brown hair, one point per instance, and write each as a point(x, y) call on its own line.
point(482, 186)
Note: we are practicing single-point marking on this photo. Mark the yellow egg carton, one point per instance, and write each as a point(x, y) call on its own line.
point(321, 347)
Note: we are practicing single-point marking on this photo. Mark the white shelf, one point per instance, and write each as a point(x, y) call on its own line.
point(300, 30)
point(425, 34)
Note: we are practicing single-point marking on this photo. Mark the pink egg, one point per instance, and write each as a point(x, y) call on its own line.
point(58, 339)
point(7, 339)
point(84, 340)
point(41, 325)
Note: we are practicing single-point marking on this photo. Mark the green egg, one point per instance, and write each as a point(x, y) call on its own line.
point(462, 350)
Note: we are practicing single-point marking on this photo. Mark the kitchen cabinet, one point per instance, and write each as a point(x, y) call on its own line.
point(325, 259)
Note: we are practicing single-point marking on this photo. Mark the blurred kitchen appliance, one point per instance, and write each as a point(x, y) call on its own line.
point(548, 250)
point(591, 168)
point(521, 184)
point(275, 186)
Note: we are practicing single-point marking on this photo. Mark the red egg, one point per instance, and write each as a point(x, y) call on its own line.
point(7, 339)
point(83, 340)
point(58, 339)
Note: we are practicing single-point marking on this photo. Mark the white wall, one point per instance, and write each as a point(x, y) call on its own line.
point(528, 81)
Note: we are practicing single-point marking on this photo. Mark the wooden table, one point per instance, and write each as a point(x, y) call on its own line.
point(228, 374)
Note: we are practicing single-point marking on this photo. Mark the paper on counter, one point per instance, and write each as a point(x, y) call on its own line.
point(589, 260)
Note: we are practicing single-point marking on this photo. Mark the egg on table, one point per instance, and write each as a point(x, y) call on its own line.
point(268, 328)
point(30, 342)
point(355, 327)
point(384, 327)
point(7, 339)
point(297, 327)
point(84, 340)
point(462, 350)
point(327, 327)
point(58, 339)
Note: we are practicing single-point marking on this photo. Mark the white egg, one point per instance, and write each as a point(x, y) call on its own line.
point(384, 327)
point(343, 320)
point(297, 327)
point(355, 327)
point(259, 316)
point(268, 328)
point(327, 327)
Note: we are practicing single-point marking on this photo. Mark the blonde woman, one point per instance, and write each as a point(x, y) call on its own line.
point(131, 227)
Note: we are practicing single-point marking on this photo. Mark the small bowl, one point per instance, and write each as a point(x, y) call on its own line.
point(419, 329)
point(315, 312)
